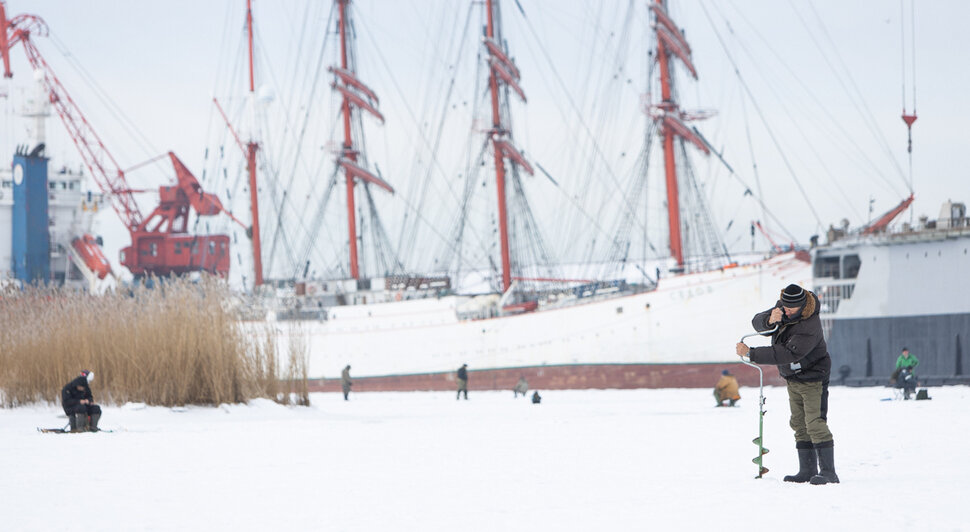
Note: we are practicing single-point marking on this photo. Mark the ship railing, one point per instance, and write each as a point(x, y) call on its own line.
point(831, 292)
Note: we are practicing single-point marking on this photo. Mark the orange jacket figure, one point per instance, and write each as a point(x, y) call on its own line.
point(726, 389)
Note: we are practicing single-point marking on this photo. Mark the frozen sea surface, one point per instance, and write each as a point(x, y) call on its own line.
point(582, 460)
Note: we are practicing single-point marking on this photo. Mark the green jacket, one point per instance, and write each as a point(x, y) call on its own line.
point(907, 362)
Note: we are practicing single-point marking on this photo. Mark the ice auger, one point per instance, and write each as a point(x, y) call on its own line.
point(759, 441)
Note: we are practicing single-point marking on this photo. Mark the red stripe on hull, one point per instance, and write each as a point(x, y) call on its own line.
point(572, 377)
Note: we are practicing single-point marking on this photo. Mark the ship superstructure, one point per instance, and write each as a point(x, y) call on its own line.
point(883, 291)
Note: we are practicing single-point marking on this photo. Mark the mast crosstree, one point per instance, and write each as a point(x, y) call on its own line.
point(502, 70)
point(356, 95)
point(671, 120)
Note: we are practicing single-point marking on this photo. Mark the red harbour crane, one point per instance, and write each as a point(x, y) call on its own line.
point(160, 243)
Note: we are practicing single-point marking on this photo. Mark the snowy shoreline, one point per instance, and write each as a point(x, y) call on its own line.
point(582, 460)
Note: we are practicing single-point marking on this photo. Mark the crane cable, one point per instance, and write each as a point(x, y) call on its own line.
point(908, 119)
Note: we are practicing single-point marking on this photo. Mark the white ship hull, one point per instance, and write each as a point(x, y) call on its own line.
point(689, 321)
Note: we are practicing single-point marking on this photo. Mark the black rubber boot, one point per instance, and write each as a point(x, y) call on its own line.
point(93, 426)
point(826, 463)
point(73, 421)
point(807, 463)
point(80, 422)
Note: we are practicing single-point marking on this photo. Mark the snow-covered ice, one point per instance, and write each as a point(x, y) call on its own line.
point(582, 460)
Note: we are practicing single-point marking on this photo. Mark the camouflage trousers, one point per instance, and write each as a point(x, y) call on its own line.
point(809, 403)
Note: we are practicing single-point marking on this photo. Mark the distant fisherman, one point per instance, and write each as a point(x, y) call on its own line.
point(798, 349)
point(726, 389)
point(521, 387)
point(345, 383)
point(462, 381)
point(79, 405)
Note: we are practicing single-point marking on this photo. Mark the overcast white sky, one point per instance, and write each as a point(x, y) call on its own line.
point(161, 64)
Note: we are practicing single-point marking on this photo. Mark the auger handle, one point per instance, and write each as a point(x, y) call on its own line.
point(761, 405)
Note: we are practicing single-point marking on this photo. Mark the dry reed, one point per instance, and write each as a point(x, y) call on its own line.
point(179, 343)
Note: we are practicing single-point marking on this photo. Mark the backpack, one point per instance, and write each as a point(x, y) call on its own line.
point(922, 394)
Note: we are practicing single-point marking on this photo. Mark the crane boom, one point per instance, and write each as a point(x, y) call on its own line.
point(102, 165)
point(160, 244)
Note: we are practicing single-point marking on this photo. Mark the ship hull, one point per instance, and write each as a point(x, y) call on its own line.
point(869, 347)
point(565, 377)
point(907, 290)
point(682, 334)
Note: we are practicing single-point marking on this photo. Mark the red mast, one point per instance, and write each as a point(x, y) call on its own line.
point(504, 70)
point(348, 150)
point(251, 148)
point(355, 94)
point(671, 42)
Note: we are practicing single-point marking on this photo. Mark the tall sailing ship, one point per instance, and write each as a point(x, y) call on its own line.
point(672, 326)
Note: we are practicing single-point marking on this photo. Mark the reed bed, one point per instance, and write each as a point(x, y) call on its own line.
point(177, 344)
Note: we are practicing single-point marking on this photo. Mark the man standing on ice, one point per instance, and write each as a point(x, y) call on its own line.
point(79, 405)
point(345, 383)
point(462, 381)
point(798, 349)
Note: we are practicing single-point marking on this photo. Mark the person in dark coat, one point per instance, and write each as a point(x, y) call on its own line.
point(462, 381)
point(536, 398)
point(798, 349)
point(345, 382)
point(79, 405)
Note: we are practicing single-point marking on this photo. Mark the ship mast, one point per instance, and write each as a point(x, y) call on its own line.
point(355, 94)
point(251, 147)
point(672, 121)
point(348, 149)
point(504, 70)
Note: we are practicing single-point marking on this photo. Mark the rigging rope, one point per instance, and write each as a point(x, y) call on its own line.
point(774, 139)
point(868, 117)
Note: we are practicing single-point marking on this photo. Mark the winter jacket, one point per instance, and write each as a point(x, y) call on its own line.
point(907, 362)
point(462, 374)
point(345, 377)
point(797, 347)
point(727, 387)
point(71, 396)
point(522, 386)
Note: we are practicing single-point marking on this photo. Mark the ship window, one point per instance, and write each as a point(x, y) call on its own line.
point(827, 267)
point(850, 266)
point(212, 247)
point(178, 248)
point(154, 249)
